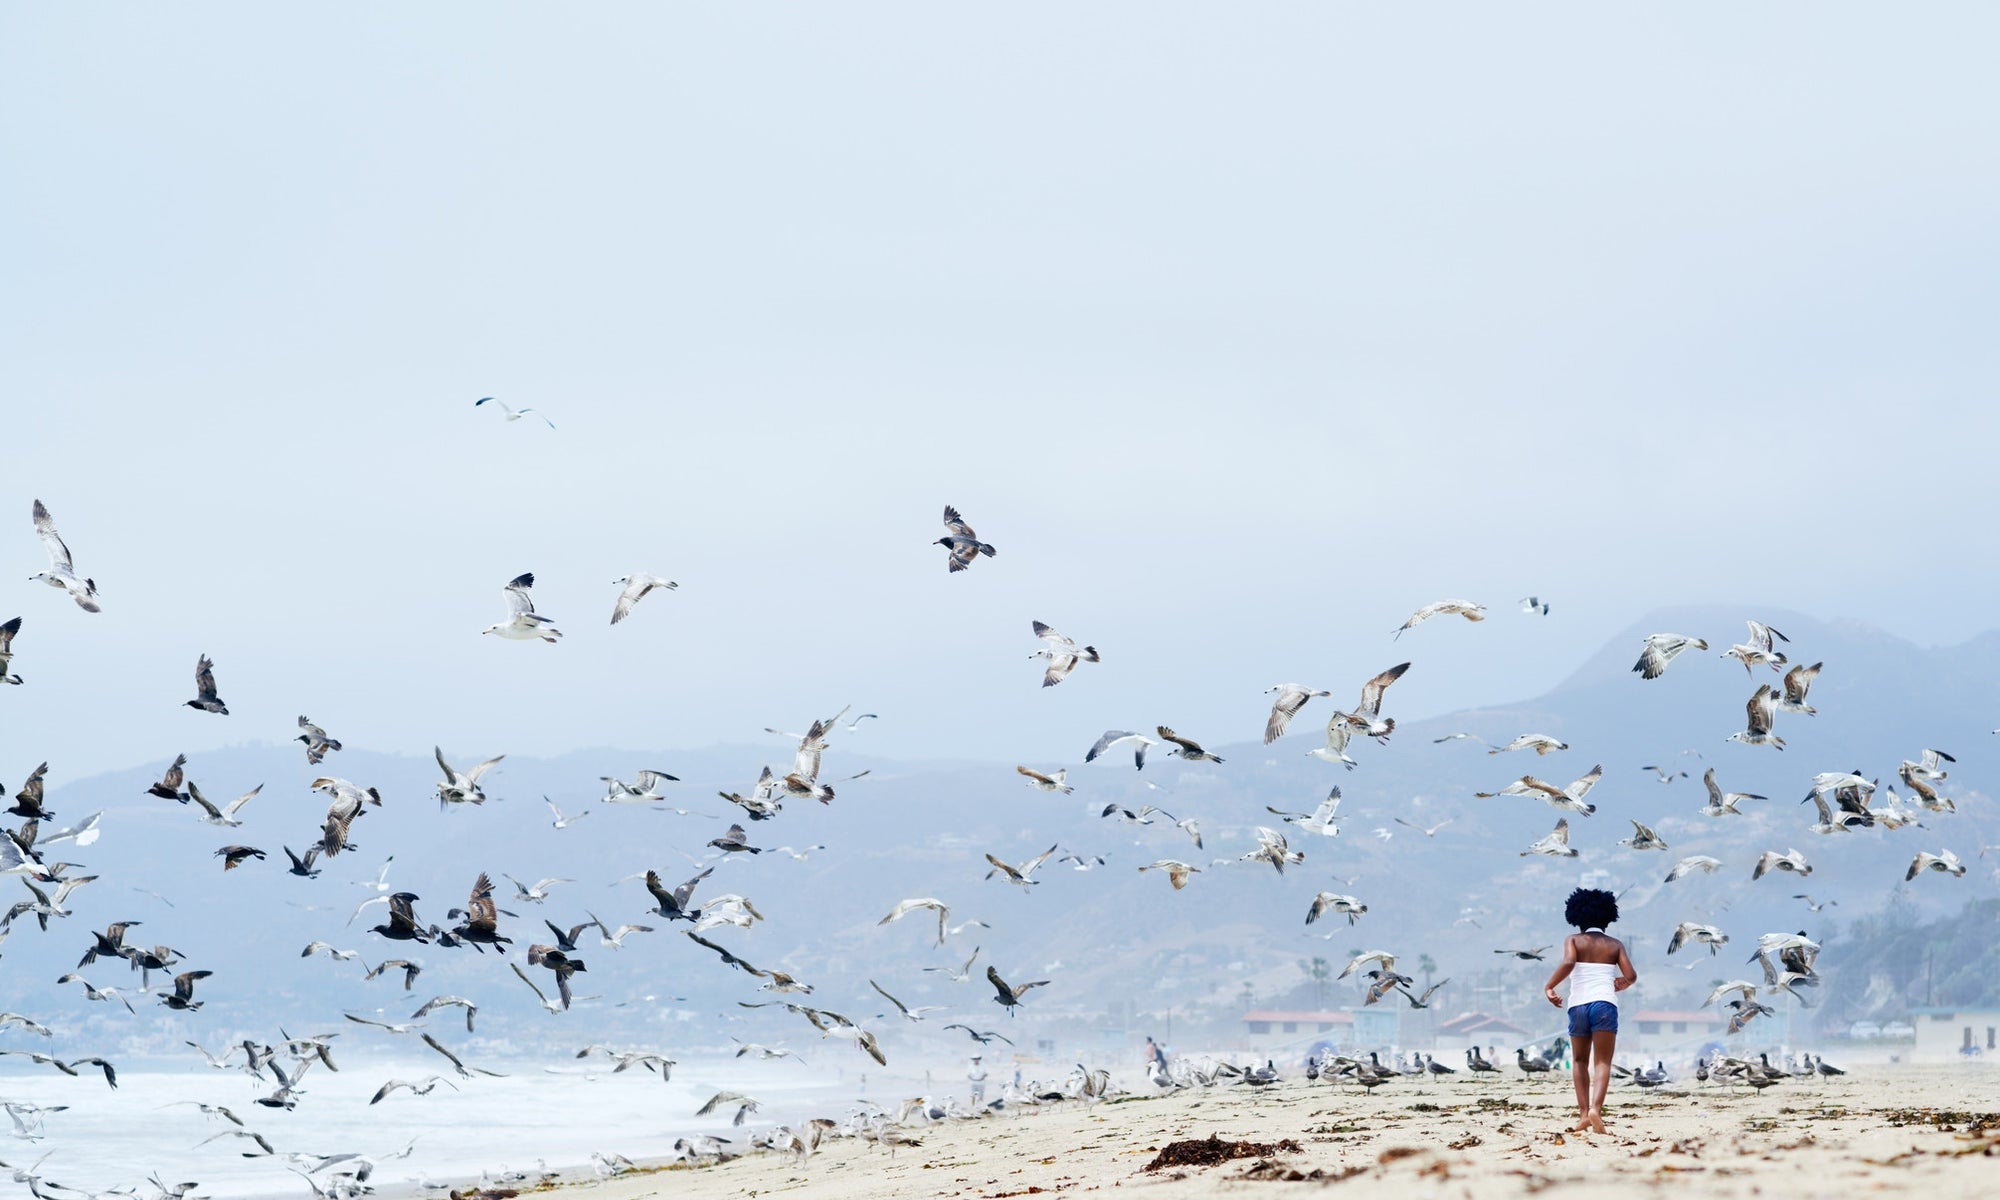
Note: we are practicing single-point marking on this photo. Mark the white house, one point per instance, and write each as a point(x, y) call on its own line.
point(1951, 1033)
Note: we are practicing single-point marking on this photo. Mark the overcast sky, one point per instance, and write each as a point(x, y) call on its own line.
point(1241, 332)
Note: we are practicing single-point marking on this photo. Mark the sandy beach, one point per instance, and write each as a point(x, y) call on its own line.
point(1888, 1130)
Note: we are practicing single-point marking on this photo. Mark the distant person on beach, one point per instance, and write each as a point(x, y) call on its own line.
point(976, 1075)
point(1598, 969)
point(1154, 1055)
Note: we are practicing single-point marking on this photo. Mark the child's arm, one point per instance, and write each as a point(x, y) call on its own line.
point(1627, 975)
point(1562, 972)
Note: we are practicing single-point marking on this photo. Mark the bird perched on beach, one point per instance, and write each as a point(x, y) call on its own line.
point(204, 685)
point(963, 544)
point(62, 568)
point(636, 587)
point(1186, 748)
point(1047, 783)
point(1761, 648)
point(1791, 860)
point(1761, 711)
point(1291, 698)
point(1943, 862)
point(1555, 844)
point(1462, 608)
point(1688, 931)
point(523, 623)
point(318, 745)
point(1008, 996)
point(1177, 871)
point(1662, 649)
point(1062, 654)
point(513, 414)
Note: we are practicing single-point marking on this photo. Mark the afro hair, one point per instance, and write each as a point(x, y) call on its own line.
point(1591, 908)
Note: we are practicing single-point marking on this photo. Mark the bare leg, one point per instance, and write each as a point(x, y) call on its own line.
point(1603, 1045)
point(1579, 1054)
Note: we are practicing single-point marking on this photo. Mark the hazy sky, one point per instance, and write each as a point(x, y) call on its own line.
point(1241, 332)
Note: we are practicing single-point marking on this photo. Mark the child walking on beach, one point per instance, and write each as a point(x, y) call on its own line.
point(1598, 969)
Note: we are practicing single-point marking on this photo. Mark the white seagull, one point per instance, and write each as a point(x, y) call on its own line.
point(62, 568)
point(1721, 803)
point(636, 585)
point(523, 623)
point(1761, 711)
point(1540, 743)
point(1439, 608)
point(461, 788)
point(1113, 737)
point(511, 413)
point(1761, 648)
point(1291, 698)
point(1555, 844)
point(1062, 654)
point(1661, 649)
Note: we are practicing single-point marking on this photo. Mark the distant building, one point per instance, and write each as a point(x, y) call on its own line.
point(1272, 1030)
point(1672, 1024)
point(1467, 1030)
point(1949, 1033)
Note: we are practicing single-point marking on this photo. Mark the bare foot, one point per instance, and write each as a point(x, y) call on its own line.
point(1582, 1124)
point(1597, 1123)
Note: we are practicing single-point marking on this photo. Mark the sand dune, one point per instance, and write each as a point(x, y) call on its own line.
point(1892, 1130)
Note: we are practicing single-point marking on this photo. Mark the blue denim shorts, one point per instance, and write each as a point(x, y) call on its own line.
point(1599, 1016)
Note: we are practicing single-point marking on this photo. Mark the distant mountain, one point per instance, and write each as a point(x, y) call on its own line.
point(1117, 945)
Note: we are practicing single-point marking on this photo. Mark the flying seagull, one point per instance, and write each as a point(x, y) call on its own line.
point(1791, 861)
point(62, 569)
point(1007, 995)
point(636, 586)
point(1367, 715)
point(221, 816)
point(1798, 681)
point(513, 414)
point(1721, 803)
point(7, 633)
point(204, 684)
point(1187, 748)
point(1690, 931)
point(1691, 864)
point(961, 541)
point(1177, 871)
point(461, 787)
point(1334, 902)
point(318, 745)
point(1540, 743)
point(1761, 648)
point(1291, 698)
point(1555, 844)
point(1661, 649)
point(1062, 653)
point(1643, 838)
point(1046, 783)
point(1440, 608)
point(1944, 862)
point(1113, 737)
point(523, 623)
point(905, 907)
point(1761, 711)
point(1534, 606)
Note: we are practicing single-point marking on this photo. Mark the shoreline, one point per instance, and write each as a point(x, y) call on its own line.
point(1894, 1129)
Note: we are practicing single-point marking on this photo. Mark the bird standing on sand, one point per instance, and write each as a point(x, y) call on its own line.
point(62, 568)
point(636, 586)
point(523, 623)
point(961, 541)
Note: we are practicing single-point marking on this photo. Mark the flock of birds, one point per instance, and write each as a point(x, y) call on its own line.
point(1844, 802)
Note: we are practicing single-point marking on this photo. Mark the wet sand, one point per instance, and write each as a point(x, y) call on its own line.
point(1886, 1130)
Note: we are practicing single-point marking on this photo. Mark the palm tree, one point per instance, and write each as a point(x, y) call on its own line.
point(1319, 971)
point(1426, 966)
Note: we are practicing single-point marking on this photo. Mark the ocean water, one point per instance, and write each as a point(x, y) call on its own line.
point(553, 1114)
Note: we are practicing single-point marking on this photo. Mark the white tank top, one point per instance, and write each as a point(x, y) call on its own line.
point(1592, 982)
